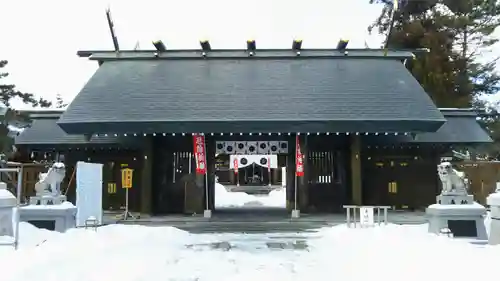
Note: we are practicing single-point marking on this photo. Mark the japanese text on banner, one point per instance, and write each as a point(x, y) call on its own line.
point(235, 162)
point(199, 152)
point(299, 159)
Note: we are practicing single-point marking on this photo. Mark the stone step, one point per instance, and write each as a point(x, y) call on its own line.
point(230, 245)
point(243, 227)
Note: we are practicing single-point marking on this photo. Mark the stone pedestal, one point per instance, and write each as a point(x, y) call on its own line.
point(295, 214)
point(494, 202)
point(455, 199)
point(460, 214)
point(207, 214)
point(61, 216)
point(47, 200)
point(7, 203)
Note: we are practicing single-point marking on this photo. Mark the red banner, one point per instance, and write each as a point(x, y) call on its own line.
point(199, 152)
point(235, 164)
point(299, 159)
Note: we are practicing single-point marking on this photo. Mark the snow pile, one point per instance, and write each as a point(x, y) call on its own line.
point(224, 198)
point(126, 253)
point(83, 254)
point(227, 199)
point(276, 198)
point(394, 251)
point(30, 237)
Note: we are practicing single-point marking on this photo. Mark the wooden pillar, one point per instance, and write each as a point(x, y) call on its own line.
point(356, 177)
point(210, 151)
point(290, 173)
point(147, 175)
point(275, 178)
point(232, 177)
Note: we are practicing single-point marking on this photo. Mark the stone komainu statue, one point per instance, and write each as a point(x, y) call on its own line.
point(452, 181)
point(51, 180)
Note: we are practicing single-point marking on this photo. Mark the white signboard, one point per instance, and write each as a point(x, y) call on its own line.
point(366, 216)
point(88, 192)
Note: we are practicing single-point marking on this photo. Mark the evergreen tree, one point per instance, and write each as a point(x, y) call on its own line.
point(457, 32)
point(473, 23)
point(60, 102)
point(9, 116)
point(418, 24)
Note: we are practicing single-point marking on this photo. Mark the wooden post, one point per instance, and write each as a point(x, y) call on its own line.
point(147, 175)
point(210, 154)
point(290, 173)
point(356, 176)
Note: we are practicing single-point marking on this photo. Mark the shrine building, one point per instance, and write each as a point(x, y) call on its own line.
point(367, 130)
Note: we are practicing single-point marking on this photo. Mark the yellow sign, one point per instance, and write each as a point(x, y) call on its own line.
point(393, 187)
point(127, 178)
point(111, 187)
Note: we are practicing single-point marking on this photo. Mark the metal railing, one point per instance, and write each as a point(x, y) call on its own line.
point(92, 222)
point(355, 210)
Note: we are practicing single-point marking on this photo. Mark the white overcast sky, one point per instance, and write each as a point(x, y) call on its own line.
point(40, 38)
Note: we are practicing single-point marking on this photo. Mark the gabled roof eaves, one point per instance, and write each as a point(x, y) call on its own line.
point(44, 132)
point(461, 127)
point(243, 54)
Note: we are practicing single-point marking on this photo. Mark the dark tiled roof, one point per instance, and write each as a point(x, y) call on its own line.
point(44, 131)
point(246, 95)
point(461, 127)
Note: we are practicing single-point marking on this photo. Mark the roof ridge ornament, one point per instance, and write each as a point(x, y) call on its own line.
point(251, 47)
point(112, 30)
point(205, 47)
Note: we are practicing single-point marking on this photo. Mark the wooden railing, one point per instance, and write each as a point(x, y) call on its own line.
point(30, 178)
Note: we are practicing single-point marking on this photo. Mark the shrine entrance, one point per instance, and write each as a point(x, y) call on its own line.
point(254, 175)
point(249, 174)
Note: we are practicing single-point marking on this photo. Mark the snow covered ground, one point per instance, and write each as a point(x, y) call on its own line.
point(126, 253)
point(226, 199)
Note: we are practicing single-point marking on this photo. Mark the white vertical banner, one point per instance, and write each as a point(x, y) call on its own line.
point(88, 192)
point(366, 216)
point(283, 176)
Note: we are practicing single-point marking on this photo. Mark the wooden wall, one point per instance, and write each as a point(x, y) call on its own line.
point(176, 188)
point(30, 177)
point(402, 177)
point(483, 177)
point(327, 166)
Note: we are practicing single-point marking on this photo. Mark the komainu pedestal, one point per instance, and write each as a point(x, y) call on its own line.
point(454, 208)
